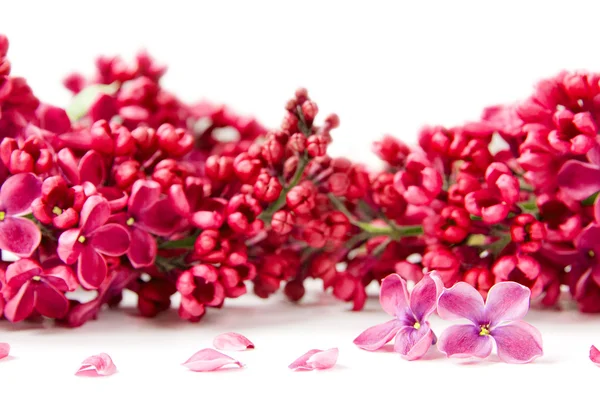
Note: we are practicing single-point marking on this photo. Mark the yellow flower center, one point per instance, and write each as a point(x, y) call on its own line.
point(417, 325)
point(485, 330)
point(36, 278)
point(130, 221)
point(2, 215)
point(57, 210)
point(591, 253)
point(81, 239)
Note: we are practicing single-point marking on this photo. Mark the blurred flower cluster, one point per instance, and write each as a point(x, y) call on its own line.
point(131, 188)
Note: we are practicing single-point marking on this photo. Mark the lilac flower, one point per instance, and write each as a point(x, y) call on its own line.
point(410, 325)
point(94, 237)
point(497, 319)
point(19, 235)
point(146, 214)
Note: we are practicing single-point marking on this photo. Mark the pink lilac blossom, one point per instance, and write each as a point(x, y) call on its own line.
point(410, 326)
point(496, 320)
point(94, 238)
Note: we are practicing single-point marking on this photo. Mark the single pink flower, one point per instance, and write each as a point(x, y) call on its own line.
point(59, 204)
point(147, 213)
point(94, 237)
point(420, 183)
point(316, 359)
point(208, 359)
point(19, 235)
point(409, 326)
point(29, 287)
point(97, 365)
point(4, 350)
point(232, 341)
point(594, 355)
point(199, 287)
point(499, 318)
point(90, 168)
point(190, 201)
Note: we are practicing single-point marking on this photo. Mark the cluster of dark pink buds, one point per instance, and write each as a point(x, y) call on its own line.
point(130, 188)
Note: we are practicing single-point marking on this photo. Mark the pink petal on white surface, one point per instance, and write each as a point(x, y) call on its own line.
point(232, 341)
point(4, 350)
point(210, 360)
point(594, 355)
point(97, 365)
point(316, 359)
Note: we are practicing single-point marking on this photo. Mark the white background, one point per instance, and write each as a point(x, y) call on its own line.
point(384, 67)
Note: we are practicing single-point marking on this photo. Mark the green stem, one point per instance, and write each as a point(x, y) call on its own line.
point(267, 214)
point(392, 231)
point(497, 247)
point(184, 243)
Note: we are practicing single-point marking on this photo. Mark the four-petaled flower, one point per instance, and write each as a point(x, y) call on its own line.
point(29, 287)
point(499, 318)
point(146, 214)
point(410, 326)
point(94, 237)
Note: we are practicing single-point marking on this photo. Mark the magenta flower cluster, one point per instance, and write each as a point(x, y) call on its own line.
point(130, 188)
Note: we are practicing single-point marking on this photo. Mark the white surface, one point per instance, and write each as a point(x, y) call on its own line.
point(148, 354)
point(383, 66)
point(388, 66)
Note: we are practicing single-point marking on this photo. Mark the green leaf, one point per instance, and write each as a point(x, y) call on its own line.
point(82, 102)
point(590, 200)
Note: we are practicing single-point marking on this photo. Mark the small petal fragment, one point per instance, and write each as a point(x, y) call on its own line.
point(594, 355)
point(97, 365)
point(316, 359)
point(209, 359)
point(4, 350)
point(232, 341)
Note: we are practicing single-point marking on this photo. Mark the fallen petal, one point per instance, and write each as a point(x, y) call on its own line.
point(209, 359)
point(5, 350)
point(594, 355)
point(316, 359)
point(97, 365)
point(232, 341)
